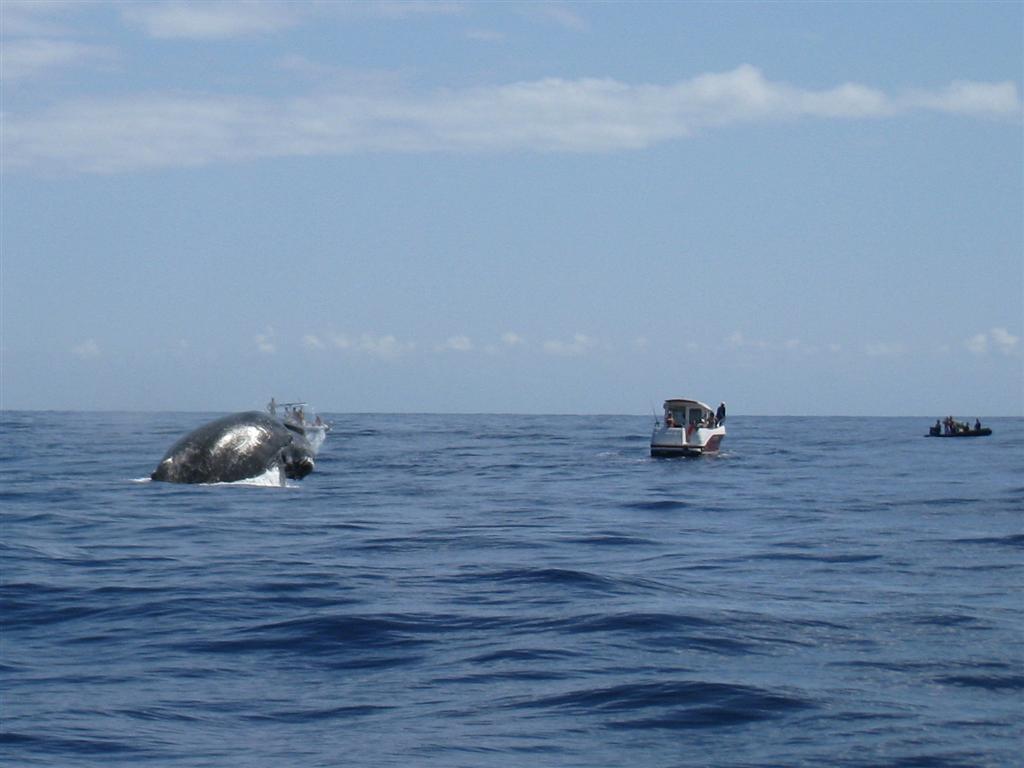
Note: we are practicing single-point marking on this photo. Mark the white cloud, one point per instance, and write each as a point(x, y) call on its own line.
point(86, 350)
point(793, 346)
point(999, 339)
point(22, 59)
point(884, 349)
point(458, 344)
point(848, 100)
point(512, 339)
point(977, 344)
point(1004, 341)
point(580, 344)
point(211, 21)
point(561, 15)
point(246, 18)
point(970, 98)
point(385, 347)
point(735, 339)
point(312, 341)
point(800, 347)
point(550, 115)
point(265, 342)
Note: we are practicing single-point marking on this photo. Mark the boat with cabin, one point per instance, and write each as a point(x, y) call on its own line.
point(301, 418)
point(688, 428)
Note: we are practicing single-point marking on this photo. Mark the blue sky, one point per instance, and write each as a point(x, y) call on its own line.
point(501, 207)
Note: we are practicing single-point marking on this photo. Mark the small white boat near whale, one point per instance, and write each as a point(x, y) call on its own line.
point(301, 418)
point(688, 428)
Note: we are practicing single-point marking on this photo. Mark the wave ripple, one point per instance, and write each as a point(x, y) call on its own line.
point(451, 591)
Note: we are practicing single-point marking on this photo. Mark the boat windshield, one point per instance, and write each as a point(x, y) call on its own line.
point(680, 413)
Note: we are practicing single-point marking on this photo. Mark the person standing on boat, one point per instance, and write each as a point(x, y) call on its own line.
point(272, 407)
point(977, 424)
point(720, 414)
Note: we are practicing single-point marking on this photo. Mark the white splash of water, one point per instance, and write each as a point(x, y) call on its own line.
point(315, 436)
point(272, 478)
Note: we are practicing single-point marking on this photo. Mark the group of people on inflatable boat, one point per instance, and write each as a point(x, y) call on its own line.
point(950, 426)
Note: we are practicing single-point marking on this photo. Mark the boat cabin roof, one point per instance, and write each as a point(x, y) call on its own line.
point(680, 402)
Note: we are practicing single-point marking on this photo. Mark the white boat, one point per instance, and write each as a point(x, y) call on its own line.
point(300, 417)
point(688, 428)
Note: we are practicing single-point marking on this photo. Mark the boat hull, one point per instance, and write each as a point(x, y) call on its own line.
point(677, 453)
point(983, 432)
point(667, 442)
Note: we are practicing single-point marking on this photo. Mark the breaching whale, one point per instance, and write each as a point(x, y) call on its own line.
point(236, 447)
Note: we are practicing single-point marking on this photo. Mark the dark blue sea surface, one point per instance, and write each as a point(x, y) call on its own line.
point(515, 590)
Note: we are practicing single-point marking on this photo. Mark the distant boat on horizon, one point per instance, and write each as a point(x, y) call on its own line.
point(688, 428)
point(953, 428)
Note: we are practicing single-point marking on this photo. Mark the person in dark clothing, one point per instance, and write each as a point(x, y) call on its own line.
point(720, 413)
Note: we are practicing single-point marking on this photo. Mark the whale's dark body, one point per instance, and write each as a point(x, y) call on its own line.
point(236, 447)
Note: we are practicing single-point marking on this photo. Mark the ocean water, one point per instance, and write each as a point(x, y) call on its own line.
point(515, 591)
